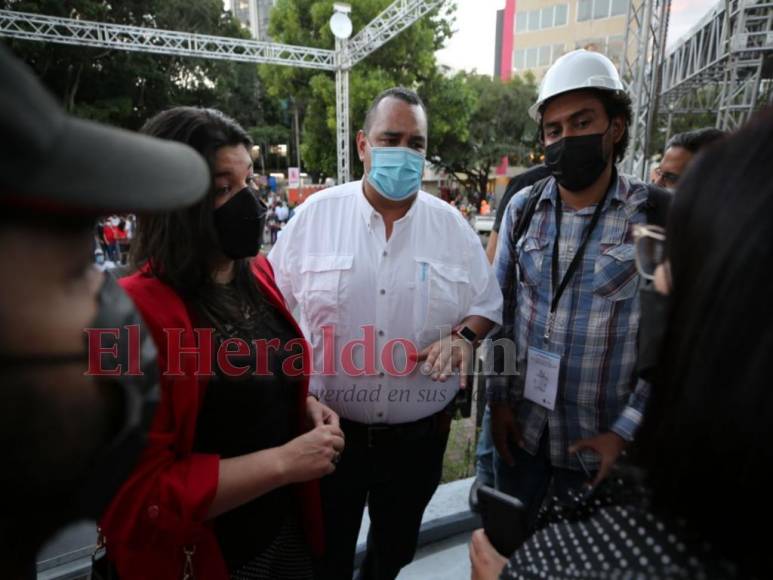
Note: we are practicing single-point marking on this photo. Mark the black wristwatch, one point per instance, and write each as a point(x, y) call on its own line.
point(466, 333)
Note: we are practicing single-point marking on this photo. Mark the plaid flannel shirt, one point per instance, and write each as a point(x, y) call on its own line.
point(596, 319)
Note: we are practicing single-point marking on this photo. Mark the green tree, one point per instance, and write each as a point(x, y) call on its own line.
point(408, 60)
point(125, 88)
point(498, 125)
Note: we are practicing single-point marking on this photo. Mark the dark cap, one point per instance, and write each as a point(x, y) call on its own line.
point(51, 160)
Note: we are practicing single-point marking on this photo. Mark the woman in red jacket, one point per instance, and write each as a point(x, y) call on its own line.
point(235, 428)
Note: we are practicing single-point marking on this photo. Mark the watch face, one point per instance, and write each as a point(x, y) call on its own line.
point(467, 333)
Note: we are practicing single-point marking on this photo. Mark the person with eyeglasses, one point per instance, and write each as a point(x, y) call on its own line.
point(703, 449)
point(214, 495)
point(679, 153)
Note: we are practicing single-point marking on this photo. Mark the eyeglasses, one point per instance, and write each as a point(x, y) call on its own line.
point(667, 177)
point(650, 249)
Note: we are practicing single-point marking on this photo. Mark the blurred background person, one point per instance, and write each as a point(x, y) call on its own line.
point(678, 154)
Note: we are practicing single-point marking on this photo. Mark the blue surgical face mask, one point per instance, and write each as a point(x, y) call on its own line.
point(395, 172)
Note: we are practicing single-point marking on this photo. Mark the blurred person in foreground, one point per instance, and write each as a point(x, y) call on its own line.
point(69, 435)
point(213, 494)
point(704, 445)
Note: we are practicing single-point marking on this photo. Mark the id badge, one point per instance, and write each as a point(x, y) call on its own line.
point(542, 369)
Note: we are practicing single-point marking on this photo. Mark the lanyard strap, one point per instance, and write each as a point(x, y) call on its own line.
point(558, 288)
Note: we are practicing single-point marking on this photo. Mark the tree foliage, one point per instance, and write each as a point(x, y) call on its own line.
point(496, 121)
point(126, 88)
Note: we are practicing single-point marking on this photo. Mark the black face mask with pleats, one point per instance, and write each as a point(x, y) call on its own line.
point(239, 224)
point(577, 162)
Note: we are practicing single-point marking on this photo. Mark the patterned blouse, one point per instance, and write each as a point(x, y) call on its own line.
point(602, 538)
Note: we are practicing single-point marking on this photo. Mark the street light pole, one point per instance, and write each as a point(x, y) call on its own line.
point(341, 26)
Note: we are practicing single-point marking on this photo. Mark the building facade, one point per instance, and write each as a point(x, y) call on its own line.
point(532, 34)
point(253, 14)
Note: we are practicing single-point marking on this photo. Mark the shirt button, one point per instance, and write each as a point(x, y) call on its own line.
point(153, 512)
point(385, 253)
point(381, 333)
point(381, 374)
point(382, 291)
point(380, 415)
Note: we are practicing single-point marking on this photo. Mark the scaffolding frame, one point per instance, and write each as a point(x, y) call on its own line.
point(721, 66)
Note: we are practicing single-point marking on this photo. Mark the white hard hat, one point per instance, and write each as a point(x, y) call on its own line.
point(576, 70)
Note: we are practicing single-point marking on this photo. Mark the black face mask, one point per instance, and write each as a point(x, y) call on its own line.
point(117, 423)
point(652, 330)
point(239, 223)
point(577, 162)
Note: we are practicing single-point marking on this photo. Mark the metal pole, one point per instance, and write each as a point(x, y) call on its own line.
point(635, 161)
point(296, 122)
point(342, 110)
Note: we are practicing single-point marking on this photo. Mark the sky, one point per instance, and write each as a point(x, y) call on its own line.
point(472, 45)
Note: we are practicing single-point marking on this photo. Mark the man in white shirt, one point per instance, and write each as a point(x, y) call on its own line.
point(380, 272)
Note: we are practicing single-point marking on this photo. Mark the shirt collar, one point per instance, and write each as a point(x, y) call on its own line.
point(367, 211)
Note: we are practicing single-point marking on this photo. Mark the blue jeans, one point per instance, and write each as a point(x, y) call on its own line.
point(484, 452)
point(531, 477)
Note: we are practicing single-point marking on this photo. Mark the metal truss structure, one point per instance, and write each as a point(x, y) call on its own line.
point(343, 133)
point(724, 67)
point(138, 39)
point(643, 54)
point(397, 17)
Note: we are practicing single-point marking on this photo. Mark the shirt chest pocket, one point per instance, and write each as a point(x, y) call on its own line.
point(615, 276)
point(322, 290)
point(530, 259)
point(442, 298)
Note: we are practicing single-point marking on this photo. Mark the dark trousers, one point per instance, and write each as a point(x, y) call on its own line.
point(396, 470)
point(533, 476)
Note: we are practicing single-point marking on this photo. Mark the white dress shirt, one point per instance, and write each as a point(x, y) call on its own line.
point(334, 262)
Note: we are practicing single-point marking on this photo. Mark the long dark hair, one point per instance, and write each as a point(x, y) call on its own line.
point(179, 247)
point(706, 441)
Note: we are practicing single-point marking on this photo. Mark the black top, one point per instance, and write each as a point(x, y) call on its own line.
point(516, 184)
point(241, 415)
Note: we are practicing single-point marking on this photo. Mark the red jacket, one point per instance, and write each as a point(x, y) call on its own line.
point(162, 508)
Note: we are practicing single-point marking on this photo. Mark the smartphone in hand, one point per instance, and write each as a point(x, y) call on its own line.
point(505, 519)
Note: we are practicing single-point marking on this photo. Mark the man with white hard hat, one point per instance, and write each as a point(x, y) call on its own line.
point(567, 270)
